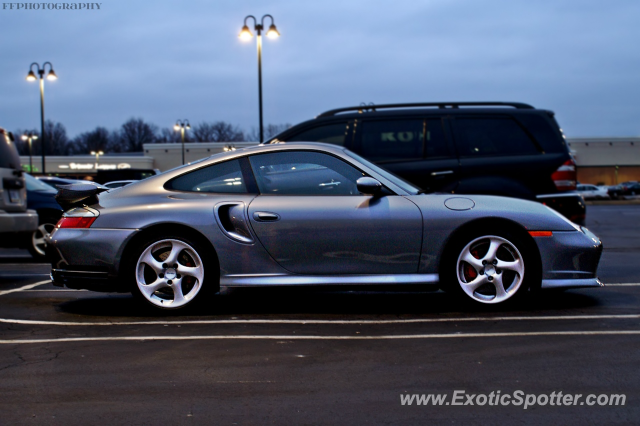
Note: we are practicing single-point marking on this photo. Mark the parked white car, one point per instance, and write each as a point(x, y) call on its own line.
point(591, 192)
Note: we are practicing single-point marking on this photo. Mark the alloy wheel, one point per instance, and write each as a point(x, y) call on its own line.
point(490, 269)
point(169, 273)
point(38, 242)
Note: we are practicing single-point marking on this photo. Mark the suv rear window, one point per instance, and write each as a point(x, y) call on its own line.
point(492, 137)
point(8, 153)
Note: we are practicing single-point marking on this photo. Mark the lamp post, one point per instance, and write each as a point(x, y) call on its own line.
point(245, 34)
point(182, 125)
point(29, 136)
point(32, 77)
point(97, 154)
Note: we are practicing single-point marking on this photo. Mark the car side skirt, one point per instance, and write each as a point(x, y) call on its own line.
point(572, 283)
point(250, 280)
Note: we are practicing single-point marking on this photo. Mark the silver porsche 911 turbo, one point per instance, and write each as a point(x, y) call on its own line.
point(308, 214)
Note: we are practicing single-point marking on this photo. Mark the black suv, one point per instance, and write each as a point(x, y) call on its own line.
point(497, 148)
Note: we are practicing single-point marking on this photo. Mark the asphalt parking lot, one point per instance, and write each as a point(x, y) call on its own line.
point(274, 356)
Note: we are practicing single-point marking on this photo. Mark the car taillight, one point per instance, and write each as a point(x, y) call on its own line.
point(565, 177)
point(75, 222)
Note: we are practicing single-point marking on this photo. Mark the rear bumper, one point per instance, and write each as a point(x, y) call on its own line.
point(85, 280)
point(16, 228)
point(87, 258)
point(11, 223)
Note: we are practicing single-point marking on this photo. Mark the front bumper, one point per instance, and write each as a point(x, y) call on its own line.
point(570, 259)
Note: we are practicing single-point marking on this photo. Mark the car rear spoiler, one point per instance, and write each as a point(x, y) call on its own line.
point(77, 194)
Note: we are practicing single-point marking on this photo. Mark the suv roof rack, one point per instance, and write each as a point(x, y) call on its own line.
point(371, 107)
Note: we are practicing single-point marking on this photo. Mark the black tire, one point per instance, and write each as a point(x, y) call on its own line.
point(517, 266)
point(36, 244)
point(179, 289)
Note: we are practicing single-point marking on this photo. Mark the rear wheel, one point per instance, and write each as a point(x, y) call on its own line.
point(490, 267)
point(169, 272)
point(37, 245)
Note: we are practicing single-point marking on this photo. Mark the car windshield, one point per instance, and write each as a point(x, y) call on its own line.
point(408, 187)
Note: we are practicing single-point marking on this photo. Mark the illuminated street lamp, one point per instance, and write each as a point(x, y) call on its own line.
point(32, 77)
point(181, 126)
point(245, 34)
point(29, 136)
point(97, 154)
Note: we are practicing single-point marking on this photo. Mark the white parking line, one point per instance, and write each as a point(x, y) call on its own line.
point(23, 275)
point(622, 285)
point(26, 287)
point(338, 322)
point(313, 337)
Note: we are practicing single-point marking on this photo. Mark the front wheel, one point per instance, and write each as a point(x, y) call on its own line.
point(170, 272)
point(490, 267)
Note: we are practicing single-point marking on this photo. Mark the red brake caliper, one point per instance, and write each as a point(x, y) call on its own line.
point(470, 272)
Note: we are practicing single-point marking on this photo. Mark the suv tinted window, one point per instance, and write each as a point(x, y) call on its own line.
point(222, 177)
point(329, 133)
point(392, 139)
point(304, 173)
point(492, 137)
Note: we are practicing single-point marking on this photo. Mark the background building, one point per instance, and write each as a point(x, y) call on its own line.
point(606, 161)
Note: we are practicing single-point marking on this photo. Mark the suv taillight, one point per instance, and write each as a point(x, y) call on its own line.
point(565, 177)
point(75, 222)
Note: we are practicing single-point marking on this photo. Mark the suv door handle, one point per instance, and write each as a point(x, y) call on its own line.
point(266, 216)
point(444, 172)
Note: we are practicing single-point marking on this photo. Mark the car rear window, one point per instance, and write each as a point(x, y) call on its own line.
point(492, 137)
point(223, 177)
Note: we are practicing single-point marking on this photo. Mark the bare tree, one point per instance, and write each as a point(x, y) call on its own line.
point(57, 140)
point(169, 135)
point(270, 131)
point(220, 131)
point(134, 133)
point(98, 139)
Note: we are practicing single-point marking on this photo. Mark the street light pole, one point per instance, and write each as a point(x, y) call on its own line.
point(32, 77)
point(245, 34)
point(97, 154)
point(182, 125)
point(29, 137)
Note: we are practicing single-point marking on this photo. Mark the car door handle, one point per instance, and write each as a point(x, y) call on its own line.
point(322, 185)
point(266, 216)
point(444, 172)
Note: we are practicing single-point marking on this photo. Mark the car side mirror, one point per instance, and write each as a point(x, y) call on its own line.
point(368, 185)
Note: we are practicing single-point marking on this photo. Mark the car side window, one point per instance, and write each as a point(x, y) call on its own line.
point(328, 133)
point(304, 173)
point(435, 139)
point(392, 139)
point(223, 177)
point(492, 137)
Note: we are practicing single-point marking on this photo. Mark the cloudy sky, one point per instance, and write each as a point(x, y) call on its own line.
point(166, 60)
